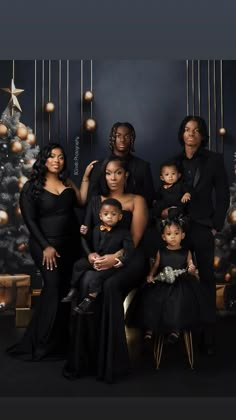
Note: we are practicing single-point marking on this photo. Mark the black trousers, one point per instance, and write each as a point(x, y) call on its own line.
point(200, 241)
point(94, 278)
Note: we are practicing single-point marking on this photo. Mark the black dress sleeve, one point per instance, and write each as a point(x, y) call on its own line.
point(28, 210)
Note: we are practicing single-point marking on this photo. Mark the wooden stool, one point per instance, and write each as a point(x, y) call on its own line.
point(158, 346)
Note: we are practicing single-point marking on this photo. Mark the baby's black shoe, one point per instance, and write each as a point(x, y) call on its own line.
point(86, 307)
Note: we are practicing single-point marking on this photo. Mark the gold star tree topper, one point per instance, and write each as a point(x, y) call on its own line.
point(14, 93)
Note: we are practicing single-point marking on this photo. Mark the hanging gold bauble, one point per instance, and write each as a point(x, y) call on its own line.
point(49, 107)
point(31, 161)
point(232, 216)
point(18, 211)
point(222, 131)
point(16, 146)
point(22, 247)
point(216, 261)
point(21, 181)
point(22, 132)
point(88, 96)
point(90, 124)
point(3, 129)
point(227, 277)
point(3, 217)
point(233, 272)
point(31, 139)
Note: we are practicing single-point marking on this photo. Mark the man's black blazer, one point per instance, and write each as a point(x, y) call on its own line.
point(140, 180)
point(210, 194)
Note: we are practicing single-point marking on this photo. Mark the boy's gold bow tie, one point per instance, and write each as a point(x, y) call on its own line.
point(103, 227)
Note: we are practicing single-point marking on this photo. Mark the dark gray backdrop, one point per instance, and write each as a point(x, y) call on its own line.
point(151, 94)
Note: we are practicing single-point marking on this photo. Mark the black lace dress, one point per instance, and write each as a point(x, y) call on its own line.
point(163, 306)
point(98, 343)
point(51, 221)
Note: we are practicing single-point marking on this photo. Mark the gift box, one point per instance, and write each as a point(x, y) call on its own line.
point(23, 317)
point(220, 301)
point(15, 291)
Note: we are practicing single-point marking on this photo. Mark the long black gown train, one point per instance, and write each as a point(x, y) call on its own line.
point(51, 221)
point(98, 342)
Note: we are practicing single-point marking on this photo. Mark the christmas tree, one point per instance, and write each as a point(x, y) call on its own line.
point(225, 251)
point(17, 155)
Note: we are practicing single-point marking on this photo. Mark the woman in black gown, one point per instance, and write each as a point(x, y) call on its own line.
point(98, 342)
point(47, 203)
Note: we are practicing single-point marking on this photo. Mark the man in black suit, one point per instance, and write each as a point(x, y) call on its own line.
point(108, 237)
point(204, 172)
point(140, 181)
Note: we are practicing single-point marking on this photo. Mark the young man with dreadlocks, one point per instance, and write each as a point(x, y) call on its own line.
point(140, 181)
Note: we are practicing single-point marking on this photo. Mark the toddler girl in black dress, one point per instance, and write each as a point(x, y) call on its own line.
point(172, 300)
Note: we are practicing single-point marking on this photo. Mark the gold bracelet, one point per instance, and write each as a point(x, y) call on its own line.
point(85, 180)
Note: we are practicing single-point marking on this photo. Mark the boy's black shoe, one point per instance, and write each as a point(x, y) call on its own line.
point(70, 296)
point(86, 307)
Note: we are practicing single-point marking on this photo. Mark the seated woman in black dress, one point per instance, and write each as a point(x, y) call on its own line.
point(47, 203)
point(98, 342)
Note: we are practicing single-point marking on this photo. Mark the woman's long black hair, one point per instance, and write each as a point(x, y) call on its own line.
point(39, 170)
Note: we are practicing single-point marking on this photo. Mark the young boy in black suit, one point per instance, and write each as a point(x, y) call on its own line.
point(108, 237)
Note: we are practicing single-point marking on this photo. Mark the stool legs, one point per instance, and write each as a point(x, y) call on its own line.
point(158, 347)
point(189, 346)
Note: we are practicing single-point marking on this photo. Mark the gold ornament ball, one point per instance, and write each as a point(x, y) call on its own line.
point(49, 107)
point(227, 277)
point(90, 124)
point(233, 272)
point(3, 130)
point(232, 216)
point(22, 247)
point(31, 139)
point(21, 181)
point(3, 217)
point(222, 131)
point(18, 211)
point(216, 261)
point(31, 161)
point(88, 96)
point(22, 132)
point(16, 146)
